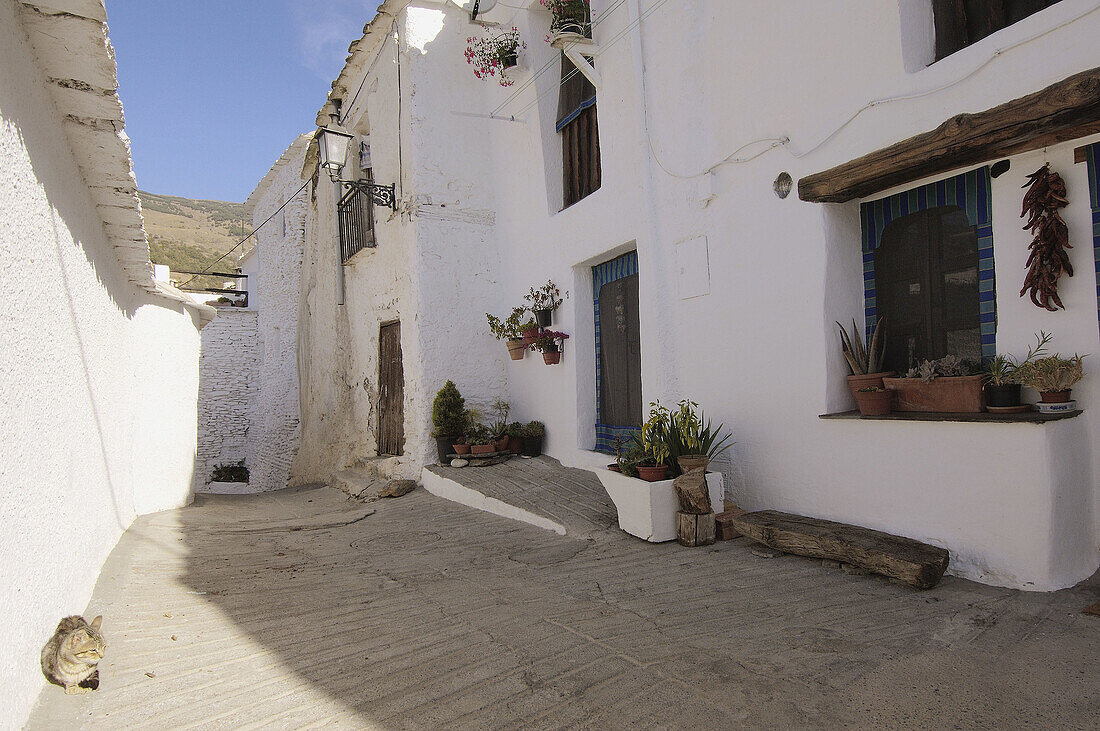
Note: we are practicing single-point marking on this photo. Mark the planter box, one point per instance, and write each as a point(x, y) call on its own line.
point(952, 394)
point(648, 509)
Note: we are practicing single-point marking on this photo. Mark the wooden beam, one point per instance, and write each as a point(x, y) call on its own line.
point(1063, 111)
point(912, 562)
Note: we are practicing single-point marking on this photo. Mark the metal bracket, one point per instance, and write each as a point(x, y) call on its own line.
point(380, 195)
point(576, 53)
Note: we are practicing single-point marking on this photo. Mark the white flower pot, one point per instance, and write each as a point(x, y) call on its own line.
point(648, 509)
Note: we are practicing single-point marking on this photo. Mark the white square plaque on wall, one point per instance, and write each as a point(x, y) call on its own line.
point(693, 265)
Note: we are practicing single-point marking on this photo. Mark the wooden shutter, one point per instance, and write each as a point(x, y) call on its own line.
point(580, 143)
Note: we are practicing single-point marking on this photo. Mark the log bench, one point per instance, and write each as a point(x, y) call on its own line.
point(909, 561)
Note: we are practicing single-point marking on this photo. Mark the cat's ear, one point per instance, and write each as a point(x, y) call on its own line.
point(97, 622)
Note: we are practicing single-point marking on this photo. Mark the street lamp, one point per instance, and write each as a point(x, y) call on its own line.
point(333, 146)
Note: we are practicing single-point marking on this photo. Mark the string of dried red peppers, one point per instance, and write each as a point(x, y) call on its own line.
point(1048, 260)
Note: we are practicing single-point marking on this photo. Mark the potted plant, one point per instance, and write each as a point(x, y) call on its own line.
point(508, 330)
point(528, 331)
point(533, 434)
point(1052, 376)
point(544, 301)
point(692, 441)
point(569, 22)
point(481, 440)
point(1002, 389)
point(945, 385)
point(498, 429)
point(514, 430)
point(448, 419)
point(864, 362)
point(548, 342)
point(494, 55)
point(654, 441)
point(874, 401)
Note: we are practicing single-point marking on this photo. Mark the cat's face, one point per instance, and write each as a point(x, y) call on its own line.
point(87, 643)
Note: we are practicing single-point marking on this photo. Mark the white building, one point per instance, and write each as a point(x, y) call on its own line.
point(99, 362)
point(701, 107)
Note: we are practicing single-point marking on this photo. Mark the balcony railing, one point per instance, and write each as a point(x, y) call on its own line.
point(355, 214)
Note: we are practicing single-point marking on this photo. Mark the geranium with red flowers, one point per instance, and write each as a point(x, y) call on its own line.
point(490, 56)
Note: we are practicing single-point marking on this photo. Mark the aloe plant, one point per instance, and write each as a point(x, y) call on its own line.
point(863, 360)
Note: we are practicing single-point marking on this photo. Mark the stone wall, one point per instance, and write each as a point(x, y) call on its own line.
point(275, 431)
point(228, 383)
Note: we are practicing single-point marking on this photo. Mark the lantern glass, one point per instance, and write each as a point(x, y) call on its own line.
point(333, 147)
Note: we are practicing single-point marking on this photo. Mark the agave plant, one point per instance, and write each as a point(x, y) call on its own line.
point(863, 360)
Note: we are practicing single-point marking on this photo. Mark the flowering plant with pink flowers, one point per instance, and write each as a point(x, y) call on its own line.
point(569, 15)
point(490, 56)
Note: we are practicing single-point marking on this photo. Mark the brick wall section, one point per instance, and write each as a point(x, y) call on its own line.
point(228, 384)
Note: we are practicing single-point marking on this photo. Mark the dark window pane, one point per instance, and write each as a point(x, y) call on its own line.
point(620, 353)
point(962, 22)
point(926, 284)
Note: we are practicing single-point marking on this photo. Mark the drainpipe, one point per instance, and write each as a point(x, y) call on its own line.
point(339, 251)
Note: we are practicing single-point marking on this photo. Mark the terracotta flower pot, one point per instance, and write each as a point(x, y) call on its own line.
point(516, 349)
point(528, 337)
point(874, 403)
point(653, 474)
point(551, 357)
point(689, 462)
point(1055, 397)
point(866, 381)
point(461, 448)
point(482, 449)
point(946, 394)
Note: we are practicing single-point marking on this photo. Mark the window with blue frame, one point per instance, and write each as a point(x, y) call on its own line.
point(928, 268)
point(1092, 155)
point(618, 351)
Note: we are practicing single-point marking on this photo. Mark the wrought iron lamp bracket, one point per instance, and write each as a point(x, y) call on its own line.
point(380, 195)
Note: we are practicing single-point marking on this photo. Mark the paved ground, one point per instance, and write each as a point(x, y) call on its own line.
point(302, 609)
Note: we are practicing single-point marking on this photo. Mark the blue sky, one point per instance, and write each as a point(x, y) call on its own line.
point(214, 90)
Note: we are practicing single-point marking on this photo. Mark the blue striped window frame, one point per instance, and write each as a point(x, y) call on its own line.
point(969, 191)
point(610, 271)
point(1092, 155)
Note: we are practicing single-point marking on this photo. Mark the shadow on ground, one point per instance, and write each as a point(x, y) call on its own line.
point(299, 607)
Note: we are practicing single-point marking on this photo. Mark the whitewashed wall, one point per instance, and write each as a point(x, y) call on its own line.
point(228, 383)
point(275, 278)
point(687, 87)
point(96, 382)
point(1016, 504)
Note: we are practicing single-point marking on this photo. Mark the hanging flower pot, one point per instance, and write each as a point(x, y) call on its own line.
point(543, 301)
point(492, 57)
point(516, 349)
point(546, 342)
point(570, 19)
point(543, 318)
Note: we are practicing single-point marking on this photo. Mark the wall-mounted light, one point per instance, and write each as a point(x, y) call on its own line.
point(782, 184)
point(333, 147)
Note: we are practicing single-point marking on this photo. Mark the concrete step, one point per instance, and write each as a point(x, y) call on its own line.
point(358, 482)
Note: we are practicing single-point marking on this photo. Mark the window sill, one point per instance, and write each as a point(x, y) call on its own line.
point(1031, 417)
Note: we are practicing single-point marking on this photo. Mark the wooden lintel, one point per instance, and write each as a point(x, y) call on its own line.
point(1080, 154)
point(1067, 110)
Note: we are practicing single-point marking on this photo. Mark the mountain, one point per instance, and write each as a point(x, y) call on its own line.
point(188, 235)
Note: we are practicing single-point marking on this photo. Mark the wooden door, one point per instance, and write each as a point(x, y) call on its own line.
point(391, 391)
point(618, 352)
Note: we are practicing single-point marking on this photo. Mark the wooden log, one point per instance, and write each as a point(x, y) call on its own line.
point(691, 490)
point(724, 528)
point(909, 561)
point(1063, 111)
point(693, 529)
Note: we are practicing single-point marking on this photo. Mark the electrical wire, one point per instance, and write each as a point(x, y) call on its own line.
point(246, 238)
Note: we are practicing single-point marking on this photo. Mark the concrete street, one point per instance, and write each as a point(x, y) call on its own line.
point(303, 608)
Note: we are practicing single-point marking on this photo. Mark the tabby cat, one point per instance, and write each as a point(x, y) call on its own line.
point(69, 659)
